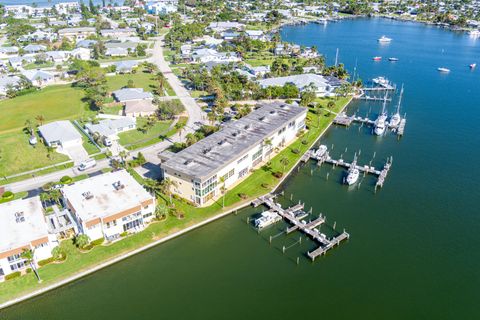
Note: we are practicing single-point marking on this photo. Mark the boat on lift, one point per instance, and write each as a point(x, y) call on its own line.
point(320, 152)
point(443, 70)
point(353, 172)
point(380, 123)
point(384, 39)
point(266, 219)
point(396, 118)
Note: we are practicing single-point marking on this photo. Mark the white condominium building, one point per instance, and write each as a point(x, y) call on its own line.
point(228, 156)
point(23, 227)
point(109, 204)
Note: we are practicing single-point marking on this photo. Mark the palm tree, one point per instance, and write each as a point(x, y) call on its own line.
point(285, 163)
point(82, 241)
point(166, 185)
point(223, 190)
point(29, 126)
point(180, 127)
point(28, 255)
point(123, 155)
point(153, 186)
point(50, 152)
point(40, 119)
point(268, 142)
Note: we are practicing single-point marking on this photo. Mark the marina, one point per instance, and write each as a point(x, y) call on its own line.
point(321, 155)
point(309, 228)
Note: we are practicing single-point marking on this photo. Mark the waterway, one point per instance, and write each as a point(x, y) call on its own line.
point(413, 251)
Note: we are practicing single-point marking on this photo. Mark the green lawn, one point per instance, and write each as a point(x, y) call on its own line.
point(53, 103)
point(140, 80)
point(38, 66)
point(259, 62)
point(252, 187)
point(17, 155)
point(153, 135)
point(115, 109)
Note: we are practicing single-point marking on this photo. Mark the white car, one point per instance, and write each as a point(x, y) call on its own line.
point(87, 164)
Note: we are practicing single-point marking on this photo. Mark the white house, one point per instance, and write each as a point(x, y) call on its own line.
point(161, 7)
point(23, 227)
point(323, 86)
point(211, 55)
point(7, 82)
point(79, 33)
point(38, 78)
point(110, 128)
point(131, 94)
point(255, 34)
point(108, 205)
point(81, 53)
point(60, 133)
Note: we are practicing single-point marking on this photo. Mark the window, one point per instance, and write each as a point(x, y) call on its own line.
point(41, 245)
point(17, 266)
point(1, 272)
point(146, 215)
point(14, 258)
point(228, 174)
point(242, 158)
point(257, 154)
point(243, 172)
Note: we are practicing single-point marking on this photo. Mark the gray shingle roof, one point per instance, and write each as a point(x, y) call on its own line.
point(127, 94)
point(62, 131)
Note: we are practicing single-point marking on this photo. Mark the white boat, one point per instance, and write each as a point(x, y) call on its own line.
point(474, 33)
point(353, 173)
point(443, 70)
point(473, 66)
point(380, 123)
point(267, 218)
point(321, 151)
point(393, 59)
point(396, 118)
point(381, 81)
point(384, 39)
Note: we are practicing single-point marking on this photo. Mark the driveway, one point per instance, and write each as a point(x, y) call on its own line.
point(77, 153)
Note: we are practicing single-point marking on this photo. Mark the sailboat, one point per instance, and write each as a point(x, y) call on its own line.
point(382, 118)
point(353, 172)
point(395, 119)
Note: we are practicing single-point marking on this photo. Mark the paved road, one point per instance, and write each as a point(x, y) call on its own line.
point(151, 168)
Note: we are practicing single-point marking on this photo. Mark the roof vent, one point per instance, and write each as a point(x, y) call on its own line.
point(273, 112)
point(285, 107)
point(19, 217)
point(87, 195)
point(189, 162)
point(207, 150)
point(264, 119)
point(118, 185)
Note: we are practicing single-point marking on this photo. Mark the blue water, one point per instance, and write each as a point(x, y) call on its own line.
point(413, 252)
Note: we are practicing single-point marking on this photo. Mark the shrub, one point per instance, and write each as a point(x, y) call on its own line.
point(243, 196)
point(28, 270)
point(66, 180)
point(58, 253)
point(123, 234)
point(296, 151)
point(8, 195)
point(12, 275)
point(278, 174)
point(97, 242)
point(265, 185)
point(41, 263)
point(304, 141)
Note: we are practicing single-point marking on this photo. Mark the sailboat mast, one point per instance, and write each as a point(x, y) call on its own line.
point(400, 100)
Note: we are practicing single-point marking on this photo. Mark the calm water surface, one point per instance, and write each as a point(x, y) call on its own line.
point(413, 252)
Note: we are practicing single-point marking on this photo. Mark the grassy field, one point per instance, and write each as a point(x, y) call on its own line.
point(259, 62)
point(153, 134)
point(140, 80)
point(252, 187)
point(17, 155)
point(53, 103)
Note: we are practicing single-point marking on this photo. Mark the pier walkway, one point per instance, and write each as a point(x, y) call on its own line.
point(294, 216)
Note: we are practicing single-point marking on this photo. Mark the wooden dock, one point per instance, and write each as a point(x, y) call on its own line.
point(345, 120)
point(309, 228)
point(324, 156)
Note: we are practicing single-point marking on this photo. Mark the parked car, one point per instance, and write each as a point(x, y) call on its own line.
point(87, 164)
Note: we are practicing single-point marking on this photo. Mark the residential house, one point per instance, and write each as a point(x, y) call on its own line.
point(139, 108)
point(207, 55)
point(6, 52)
point(76, 34)
point(9, 82)
point(131, 94)
point(87, 44)
point(230, 35)
point(126, 66)
point(81, 53)
point(228, 156)
point(23, 227)
point(255, 34)
point(67, 7)
point(39, 78)
point(323, 86)
point(225, 25)
point(259, 71)
point(60, 134)
point(17, 62)
point(108, 129)
point(161, 7)
point(109, 205)
point(118, 33)
point(34, 48)
point(116, 52)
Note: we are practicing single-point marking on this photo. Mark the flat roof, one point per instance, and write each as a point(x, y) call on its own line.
point(106, 200)
point(209, 155)
point(13, 234)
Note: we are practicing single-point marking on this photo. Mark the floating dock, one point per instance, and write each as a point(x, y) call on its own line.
point(309, 228)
